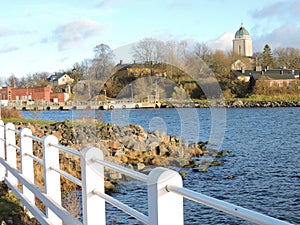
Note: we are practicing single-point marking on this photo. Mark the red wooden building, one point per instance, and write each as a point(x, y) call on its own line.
point(34, 94)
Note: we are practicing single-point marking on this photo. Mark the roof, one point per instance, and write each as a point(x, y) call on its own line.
point(56, 76)
point(241, 31)
point(275, 74)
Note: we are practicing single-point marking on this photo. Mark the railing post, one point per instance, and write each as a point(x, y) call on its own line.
point(11, 151)
point(92, 176)
point(2, 150)
point(164, 207)
point(26, 161)
point(51, 177)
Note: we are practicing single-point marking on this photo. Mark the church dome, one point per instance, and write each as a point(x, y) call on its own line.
point(241, 32)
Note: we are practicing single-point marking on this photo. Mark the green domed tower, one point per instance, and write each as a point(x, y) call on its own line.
point(242, 43)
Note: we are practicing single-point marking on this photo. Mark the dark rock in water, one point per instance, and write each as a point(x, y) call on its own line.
point(223, 153)
point(203, 169)
point(215, 163)
point(192, 164)
point(183, 174)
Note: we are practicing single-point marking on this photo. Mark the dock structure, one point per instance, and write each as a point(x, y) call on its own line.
point(56, 106)
point(129, 105)
point(91, 105)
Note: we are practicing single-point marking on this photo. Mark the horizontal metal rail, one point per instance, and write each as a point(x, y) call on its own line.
point(37, 159)
point(123, 170)
point(156, 212)
point(66, 149)
point(59, 210)
point(68, 176)
point(226, 207)
point(15, 146)
point(125, 208)
point(34, 138)
point(36, 212)
point(15, 130)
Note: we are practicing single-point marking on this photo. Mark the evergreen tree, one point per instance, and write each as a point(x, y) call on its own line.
point(267, 57)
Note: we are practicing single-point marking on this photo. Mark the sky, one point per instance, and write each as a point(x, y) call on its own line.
point(51, 36)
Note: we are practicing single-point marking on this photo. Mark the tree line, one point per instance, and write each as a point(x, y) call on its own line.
point(180, 53)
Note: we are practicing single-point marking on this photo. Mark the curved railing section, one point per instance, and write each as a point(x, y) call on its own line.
point(164, 186)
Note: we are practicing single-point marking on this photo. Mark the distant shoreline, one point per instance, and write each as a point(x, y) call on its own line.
point(237, 103)
point(234, 104)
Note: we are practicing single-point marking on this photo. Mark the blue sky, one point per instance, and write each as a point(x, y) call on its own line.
point(40, 35)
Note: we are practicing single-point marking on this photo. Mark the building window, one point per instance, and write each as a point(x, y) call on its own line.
point(280, 84)
point(271, 83)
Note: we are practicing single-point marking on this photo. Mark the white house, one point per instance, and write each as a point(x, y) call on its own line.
point(60, 79)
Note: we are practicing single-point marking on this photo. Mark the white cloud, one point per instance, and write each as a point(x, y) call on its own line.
point(285, 36)
point(223, 42)
point(288, 9)
point(5, 49)
point(275, 9)
point(6, 31)
point(73, 34)
point(276, 25)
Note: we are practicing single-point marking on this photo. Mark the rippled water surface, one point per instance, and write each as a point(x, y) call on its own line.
point(262, 173)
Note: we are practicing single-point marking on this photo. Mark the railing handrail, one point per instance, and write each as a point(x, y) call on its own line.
point(226, 207)
point(66, 149)
point(36, 138)
point(131, 173)
point(165, 191)
point(125, 208)
point(63, 212)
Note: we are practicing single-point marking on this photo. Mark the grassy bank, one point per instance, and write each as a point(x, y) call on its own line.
point(11, 211)
point(273, 98)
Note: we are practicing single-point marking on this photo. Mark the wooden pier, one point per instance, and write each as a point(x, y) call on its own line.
point(107, 105)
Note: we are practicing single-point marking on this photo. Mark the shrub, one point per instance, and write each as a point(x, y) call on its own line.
point(6, 113)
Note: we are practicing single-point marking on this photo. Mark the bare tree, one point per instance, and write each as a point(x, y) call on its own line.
point(12, 81)
point(86, 64)
point(22, 82)
point(40, 79)
point(203, 52)
point(103, 61)
point(77, 72)
point(149, 49)
point(288, 57)
point(172, 53)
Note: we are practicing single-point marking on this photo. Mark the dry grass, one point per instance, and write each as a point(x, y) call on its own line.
point(10, 113)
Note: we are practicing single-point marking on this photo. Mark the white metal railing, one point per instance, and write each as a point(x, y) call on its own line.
point(164, 186)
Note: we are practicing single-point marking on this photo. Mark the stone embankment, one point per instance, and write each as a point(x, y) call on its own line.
point(234, 104)
point(262, 104)
point(130, 146)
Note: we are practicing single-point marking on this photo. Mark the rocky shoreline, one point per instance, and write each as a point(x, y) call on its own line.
point(130, 146)
point(234, 104)
point(261, 104)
